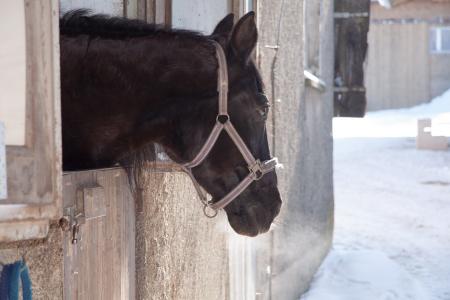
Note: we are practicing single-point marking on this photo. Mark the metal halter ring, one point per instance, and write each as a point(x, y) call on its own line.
point(222, 119)
point(256, 170)
point(209, 215)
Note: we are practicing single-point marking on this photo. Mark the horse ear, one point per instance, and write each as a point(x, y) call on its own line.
point(244, 36)
point(225, 26)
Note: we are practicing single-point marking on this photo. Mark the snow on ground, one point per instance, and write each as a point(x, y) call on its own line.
point(392, 218)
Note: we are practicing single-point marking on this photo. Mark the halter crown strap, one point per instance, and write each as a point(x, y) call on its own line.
point(222, 86)
point(257, 169)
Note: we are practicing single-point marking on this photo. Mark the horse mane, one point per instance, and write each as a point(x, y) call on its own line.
point(82, 21)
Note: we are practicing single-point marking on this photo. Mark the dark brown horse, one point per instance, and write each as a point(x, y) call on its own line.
point(127, 84)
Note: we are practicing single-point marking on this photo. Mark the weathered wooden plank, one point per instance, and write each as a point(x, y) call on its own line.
point(101, 264)
point(94, 202)
point(34, 171)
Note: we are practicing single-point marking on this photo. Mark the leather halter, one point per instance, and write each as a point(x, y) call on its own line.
point(257, 169)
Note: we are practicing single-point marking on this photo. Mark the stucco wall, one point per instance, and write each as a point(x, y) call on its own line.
point(45, 262)
point(302, 140)
point(180, 254)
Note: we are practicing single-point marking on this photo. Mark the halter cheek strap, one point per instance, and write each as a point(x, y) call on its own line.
point(257, 169)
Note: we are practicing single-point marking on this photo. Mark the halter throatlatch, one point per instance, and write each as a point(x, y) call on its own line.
point(257, 169)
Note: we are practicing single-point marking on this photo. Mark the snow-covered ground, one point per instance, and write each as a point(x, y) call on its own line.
point(392, 219)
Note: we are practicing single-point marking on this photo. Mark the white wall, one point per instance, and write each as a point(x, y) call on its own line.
point(199, 14)
point(12, 71)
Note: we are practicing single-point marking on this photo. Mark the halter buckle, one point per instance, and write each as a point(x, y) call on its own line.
point(256, 170)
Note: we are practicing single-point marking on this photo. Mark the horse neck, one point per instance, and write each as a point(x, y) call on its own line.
point(181, 77)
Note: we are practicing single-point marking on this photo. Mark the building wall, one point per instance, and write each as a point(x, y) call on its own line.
point(398, 67)
point(401, 71)
point(301, 131)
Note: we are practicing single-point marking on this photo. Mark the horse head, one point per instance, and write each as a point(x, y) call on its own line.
point(253, 211)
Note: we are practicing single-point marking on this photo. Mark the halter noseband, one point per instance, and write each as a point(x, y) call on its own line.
point(257, 169)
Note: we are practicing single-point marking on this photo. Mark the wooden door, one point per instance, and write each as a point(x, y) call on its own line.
point(99, 243)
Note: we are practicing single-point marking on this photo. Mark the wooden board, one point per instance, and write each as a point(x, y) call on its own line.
point(34, 170)
point(101, 265)
point(398, 70)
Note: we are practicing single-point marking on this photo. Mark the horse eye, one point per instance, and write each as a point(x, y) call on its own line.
point(264, 111)
point(262, 98)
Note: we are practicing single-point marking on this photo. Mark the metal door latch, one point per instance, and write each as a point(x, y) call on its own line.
point(89, 204)
point(71, 221)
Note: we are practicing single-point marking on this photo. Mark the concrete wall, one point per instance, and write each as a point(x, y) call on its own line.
point(401, 71)
point(301, 131)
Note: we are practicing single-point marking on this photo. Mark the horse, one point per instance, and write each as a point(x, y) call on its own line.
point(127, 85)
